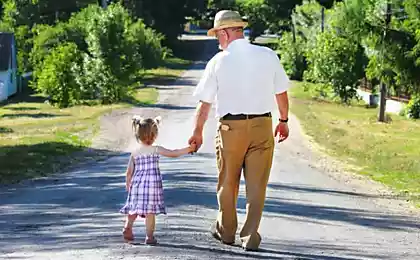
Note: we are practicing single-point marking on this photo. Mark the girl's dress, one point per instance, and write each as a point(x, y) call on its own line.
point(146, 192)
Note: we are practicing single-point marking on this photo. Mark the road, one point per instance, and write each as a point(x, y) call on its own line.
point(311, 212)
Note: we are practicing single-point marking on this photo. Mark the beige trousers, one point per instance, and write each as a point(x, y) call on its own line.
point(248, 145)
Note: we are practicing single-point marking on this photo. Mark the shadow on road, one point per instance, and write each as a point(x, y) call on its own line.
point(80, 210)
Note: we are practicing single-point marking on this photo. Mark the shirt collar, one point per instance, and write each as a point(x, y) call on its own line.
point(236, 43)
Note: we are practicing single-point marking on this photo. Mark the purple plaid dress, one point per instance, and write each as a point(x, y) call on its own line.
point(146, 193)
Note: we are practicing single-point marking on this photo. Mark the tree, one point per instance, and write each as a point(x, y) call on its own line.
point(167, 17)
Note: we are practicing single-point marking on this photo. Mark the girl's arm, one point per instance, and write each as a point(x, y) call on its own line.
point(177, 152)
point(129, 173)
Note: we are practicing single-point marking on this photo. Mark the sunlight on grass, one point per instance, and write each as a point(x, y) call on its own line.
point(388, 153)
point(35, 136)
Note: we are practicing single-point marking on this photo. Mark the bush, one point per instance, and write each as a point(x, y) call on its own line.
point(336, 61)
point(413, 107)
point(111, 50)
point(24, 44)
point(57, 79)
point(320, 91)
point(47, 38)
point(292, 55)
point(147, 43)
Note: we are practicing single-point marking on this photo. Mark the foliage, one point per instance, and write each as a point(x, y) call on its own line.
point(256, 12)
point(391, 59)
point(292, 53)
point(413, 107)
point(57, 79)
point(166, 17)
point(112, 48)
point(24, 44)
point(338, 62)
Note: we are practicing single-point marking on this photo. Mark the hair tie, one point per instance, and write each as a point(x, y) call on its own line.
point(137, 119)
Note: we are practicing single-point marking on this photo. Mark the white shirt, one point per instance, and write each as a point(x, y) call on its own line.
point(243, 79)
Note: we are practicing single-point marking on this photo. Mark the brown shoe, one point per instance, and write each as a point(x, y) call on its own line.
point(150, 241)
point(217, 236)
point(128, 234)
point(252, 243)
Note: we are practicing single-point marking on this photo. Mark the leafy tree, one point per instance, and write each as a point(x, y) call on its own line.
point(167, 17)
point(338, 62)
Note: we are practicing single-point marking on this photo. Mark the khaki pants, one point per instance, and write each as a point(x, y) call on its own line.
point(248, 145)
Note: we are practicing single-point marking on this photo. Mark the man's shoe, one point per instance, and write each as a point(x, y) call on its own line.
point(249, 249)
point(217, 236)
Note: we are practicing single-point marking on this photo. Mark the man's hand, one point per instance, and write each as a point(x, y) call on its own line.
point(282, 130)
point(197, 140)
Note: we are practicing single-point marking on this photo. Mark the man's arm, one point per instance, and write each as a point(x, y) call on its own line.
point(205, 92)
point(202, 114)
point(281, 85)
point(283, 105)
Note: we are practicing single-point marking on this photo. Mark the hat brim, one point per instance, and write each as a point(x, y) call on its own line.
point(212, 31)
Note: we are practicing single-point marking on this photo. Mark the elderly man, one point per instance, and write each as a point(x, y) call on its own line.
point(243, 81)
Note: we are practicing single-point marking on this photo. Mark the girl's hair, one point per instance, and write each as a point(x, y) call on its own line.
point(146, 129)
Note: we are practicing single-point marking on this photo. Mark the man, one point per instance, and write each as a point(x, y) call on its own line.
point(243, 80)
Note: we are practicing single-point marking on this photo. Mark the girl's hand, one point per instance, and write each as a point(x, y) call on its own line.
point(193, 147)
point(127, 186)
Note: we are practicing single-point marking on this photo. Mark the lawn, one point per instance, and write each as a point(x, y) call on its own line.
point(386, 152)
point(37, 139)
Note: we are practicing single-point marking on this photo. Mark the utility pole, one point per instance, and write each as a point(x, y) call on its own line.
point(294, 28)
point(382, 105)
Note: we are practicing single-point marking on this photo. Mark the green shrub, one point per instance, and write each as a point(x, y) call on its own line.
point(111, 50)
point(292, 55)
point(336, 61)
point(320, 91)
point(24, 43)
point(147, 44)
point(97, 81)
point(46, 38)
point(57, 79)
point(413, 107)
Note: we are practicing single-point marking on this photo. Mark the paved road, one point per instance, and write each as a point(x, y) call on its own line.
point(309, 214)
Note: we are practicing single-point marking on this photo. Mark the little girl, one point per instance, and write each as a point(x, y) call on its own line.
point(143, 179)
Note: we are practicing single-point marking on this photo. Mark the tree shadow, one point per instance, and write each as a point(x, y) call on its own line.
point(170, 107)
point(21, 162)
point(166, 80)
point(193, 49)
point(240, 254)
point(303, 189)
point(36, 115)
point(79, 210)
point(22, 108)
point(5, 130)
point(28, 95)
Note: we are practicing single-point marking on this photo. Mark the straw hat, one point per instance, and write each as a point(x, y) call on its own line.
point(226, 19)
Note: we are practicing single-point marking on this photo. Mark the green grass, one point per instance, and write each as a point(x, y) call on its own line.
point(386, 152)
point(37, 139)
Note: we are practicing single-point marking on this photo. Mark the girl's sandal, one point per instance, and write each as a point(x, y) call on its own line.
point(128, 234)
point(150, 241)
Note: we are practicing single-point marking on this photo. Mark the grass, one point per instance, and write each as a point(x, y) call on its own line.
point(37, 139)
point(386, 152)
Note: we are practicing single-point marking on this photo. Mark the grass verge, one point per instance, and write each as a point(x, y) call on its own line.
point(388, 153)
point(37, 139)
